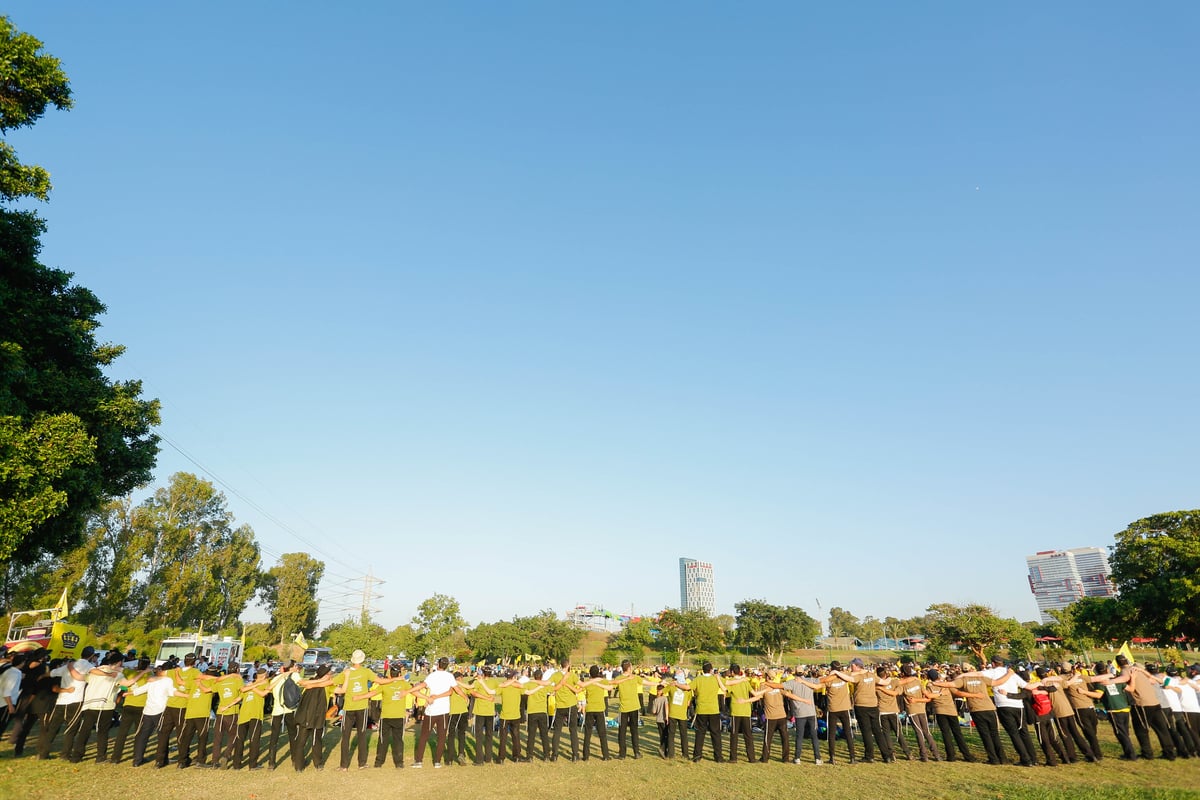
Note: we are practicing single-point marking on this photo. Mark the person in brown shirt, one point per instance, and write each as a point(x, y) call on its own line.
point(866, 711)
point(776, 713)
point(945, 711)
point(973, 687)
point(888, 693)
point(916, 700)
point(1069, 723)
point(837, 709)
point(1147, 713)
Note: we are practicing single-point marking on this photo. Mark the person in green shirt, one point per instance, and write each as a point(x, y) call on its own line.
point(595, 710)
point(738, 688)
point(228, 689)
point(355, 681)
point(679, 699)
point(511, 693)
point(629, 696)
point(566, 711)
point(250, 719)
point(132, 706)
point(392, 692)
point(708, 689)
point(484, 689)
point(195, 722)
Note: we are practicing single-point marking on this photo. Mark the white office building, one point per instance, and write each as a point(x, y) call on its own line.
point(1058, 578)
point(696, 586)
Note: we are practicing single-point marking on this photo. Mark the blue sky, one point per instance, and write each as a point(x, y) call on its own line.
point(521, 302)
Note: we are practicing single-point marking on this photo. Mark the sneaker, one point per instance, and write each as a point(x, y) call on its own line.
point(795, 761)
point(819, 762)
point(437, 765)
point(418, 765)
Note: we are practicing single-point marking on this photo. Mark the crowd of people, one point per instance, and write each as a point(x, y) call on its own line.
point(193, 714)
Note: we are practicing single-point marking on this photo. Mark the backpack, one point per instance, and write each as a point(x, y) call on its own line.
point(1041, 704)
point(290, 696)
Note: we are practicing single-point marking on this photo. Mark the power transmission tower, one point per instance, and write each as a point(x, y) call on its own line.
point(369, 596)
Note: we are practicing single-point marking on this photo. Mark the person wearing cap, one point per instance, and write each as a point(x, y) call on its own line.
point(356, 681)
point(916, 701)
point(837, 709)
point(1010, 709)
point(1116, 707)
point(392, 692)
point(1147, 713)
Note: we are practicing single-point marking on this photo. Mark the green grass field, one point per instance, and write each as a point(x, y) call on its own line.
point(650, 777)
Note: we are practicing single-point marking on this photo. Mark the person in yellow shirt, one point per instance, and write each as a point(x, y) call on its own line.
point(566, 712)
point(250, 719)
point(355, 681)
point(629, 687)
point(679, 699)
point(595, 716)
point(393, 692)
point(484, 689)
point(228, 689)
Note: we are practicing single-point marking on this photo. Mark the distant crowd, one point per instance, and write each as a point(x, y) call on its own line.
point(194, 714)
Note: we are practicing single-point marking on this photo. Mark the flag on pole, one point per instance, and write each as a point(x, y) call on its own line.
point(62, 609)
point(1124, 651)
point(300, 641)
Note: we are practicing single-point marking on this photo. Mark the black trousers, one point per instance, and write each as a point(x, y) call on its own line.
point(279, 723)
point(193, 727)
point(248, 733)
point(484, 725)
point(1052, 746)
point(313, 737)
point(989, 731)
point(832, 720)
point(872, 732)
point(1073, 739)
point(510, 728)
point(710, 724)
point(925, 743)
point(1180, 732)
point(741, 727)
point(776, 727)
point(628, 724)
point(99, 721)
point(355, 722)
point(391, 734)
point(1147, 718)
point(131, 718)
point(1089, 721)
point(569, 717)
point(141, 739)
point(1120, 725)
point(1013, 720)
point(891, 728)
point(537, 726)
point(68, 715)
point(170, 722)
point(456, 738)
point(951, 730)
point(595, 720)
point(25, 720)
point(677, 727)
point(224, 739)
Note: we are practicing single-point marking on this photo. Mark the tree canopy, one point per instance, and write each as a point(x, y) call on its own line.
point(774, 628)
point(289, 593)
point(978, 629)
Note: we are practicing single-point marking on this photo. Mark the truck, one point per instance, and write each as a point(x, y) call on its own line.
point(216, 650)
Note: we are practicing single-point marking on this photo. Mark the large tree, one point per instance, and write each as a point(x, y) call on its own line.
point(498, 641)
point(437, 621)
point(689, 631)
point(289, 593)
point(843, 623)
point(70, 437)
point(773, 628)
point(549, 636)
point(1156, 570)
point(978, 629)
point(200, 569)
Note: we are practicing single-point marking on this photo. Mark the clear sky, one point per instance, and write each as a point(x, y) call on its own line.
point(521, 302)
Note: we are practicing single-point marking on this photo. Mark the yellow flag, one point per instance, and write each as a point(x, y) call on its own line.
point(67, 641)
point(300, 641)
point(62, 609)
point(1124, 651)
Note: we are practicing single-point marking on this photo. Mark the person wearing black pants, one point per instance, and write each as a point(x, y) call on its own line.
point(707, 688)
point(837, 709)
point(945, 711)
point(866, 711)
point(595, 713)
point(972, 687)
point(566, 714)
point(1147, 713)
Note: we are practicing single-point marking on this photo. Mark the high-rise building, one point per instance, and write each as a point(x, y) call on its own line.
point(1058, 578)
point(696, 586)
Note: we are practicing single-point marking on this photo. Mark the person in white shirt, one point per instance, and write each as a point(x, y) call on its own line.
point(158, 691)
point(96, 710)
point(1011, 710)
point(1189, 698)
point(10, 687)
point(282, 717)
point(439, 684)
point(66, 708)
